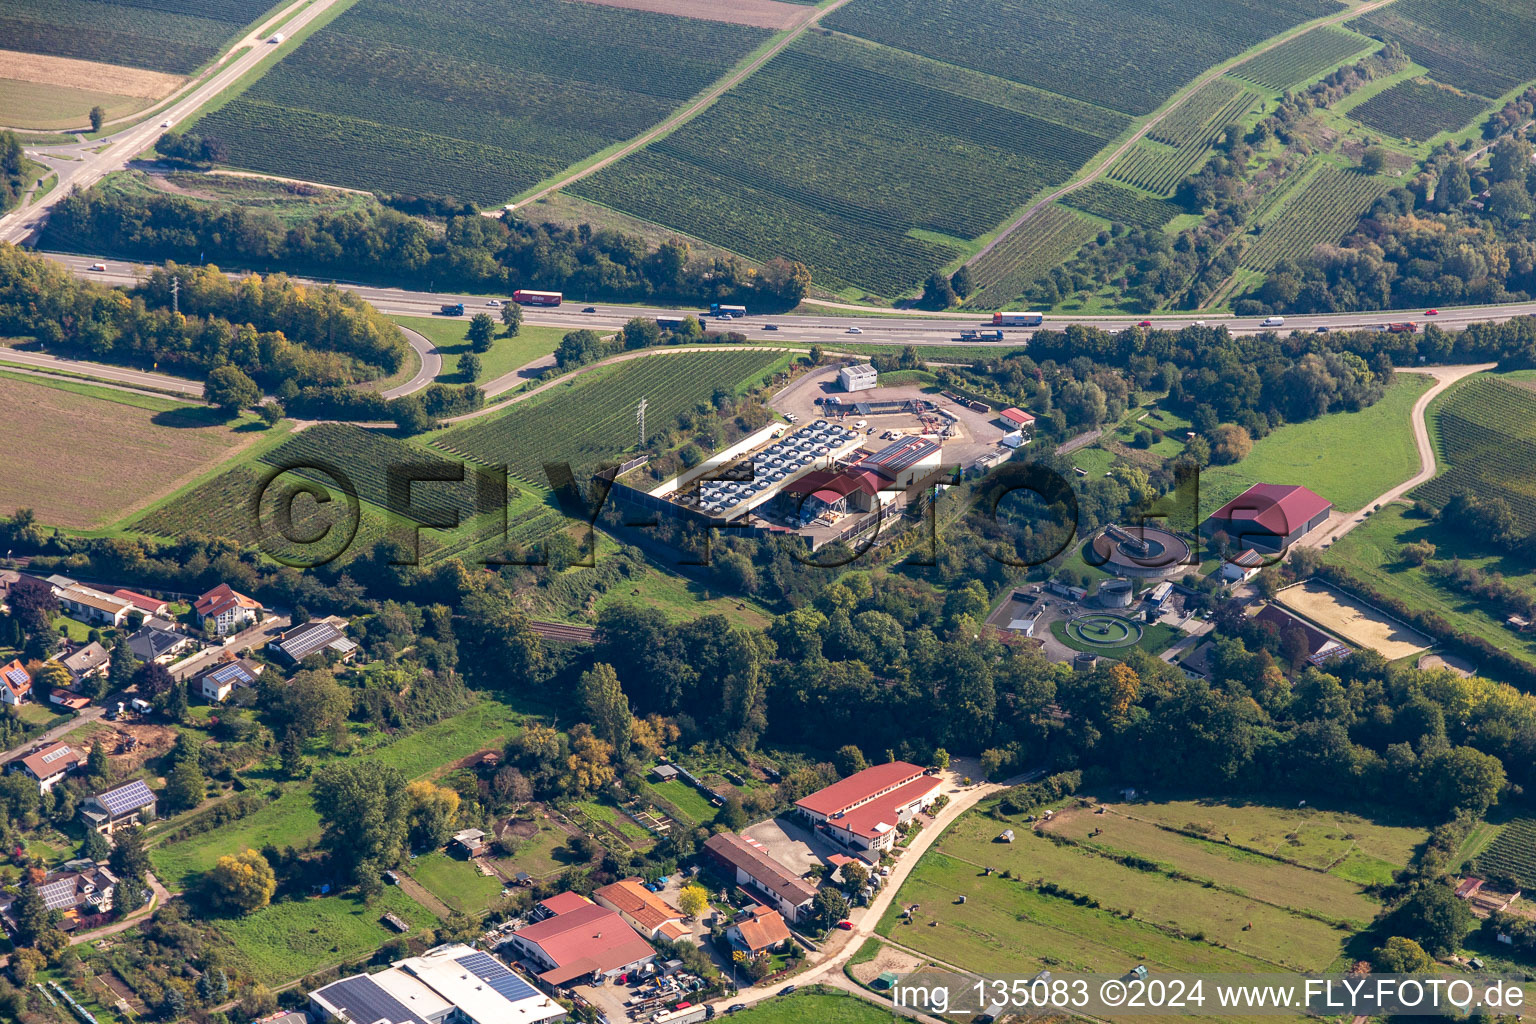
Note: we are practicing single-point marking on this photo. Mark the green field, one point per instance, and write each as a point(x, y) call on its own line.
point(1122, 54)
point(456, 882)
point(1419, 108)
point(820, 1007)
point(1481, 46)
point(685, 798)
point(1050, 238)
point(290, 819)
point(53, 107)
point(1319, 453)
point(1320, 211)
point(862, 162)
point(469, 98)
point(506, 354)
point(164, 35)
point(1308, 56)
point(298, 937)
point(593, 417)
point(1373, 553)
point(1485, 434)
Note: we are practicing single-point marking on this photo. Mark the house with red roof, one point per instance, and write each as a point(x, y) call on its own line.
point(1268, 517)
point(840, 490)
point(49, 763)
point(762, 931)
point(863, 811)
point(1017, 419)
point(223, 610)
point(15, 683)
point(580, 942)
point(143, 602)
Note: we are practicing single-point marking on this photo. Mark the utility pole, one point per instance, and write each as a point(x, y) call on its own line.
point(640, 419)
point(175, 295)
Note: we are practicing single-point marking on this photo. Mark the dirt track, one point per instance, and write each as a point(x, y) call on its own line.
point(758, 13)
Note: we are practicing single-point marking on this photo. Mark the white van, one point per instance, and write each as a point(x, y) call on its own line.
point(1273, 321)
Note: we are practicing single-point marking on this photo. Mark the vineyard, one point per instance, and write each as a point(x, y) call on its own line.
point(1178, 144)
point(1322, 211)
point(1418, 109)
point(1304, 58)
point(1481, 46)
point(1512, 853)
point(1116, 203)
point(594, 420)
point(162, 35)
point(1050, 238)
point(396, 96)
point(1129, 55)
point(1487, 435)
point(837, 152)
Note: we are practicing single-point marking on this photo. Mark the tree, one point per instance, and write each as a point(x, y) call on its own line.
point(482, 329)
point(129, 856)
point(641, 333)
point(855, 876)
point(213, 986)
point(432, 813)
point(229, 388)
point(1510, 202)
point(830, 906)
point(941, 759)
point(309, 704)
point(1434, 918)
point(410, 415)
point(1373, 160)
point(961, 281)
point(123, 665)
point(95, 846)
point(362, 810)
point(173, 703)
point(185, 784)
point(692, 900)
point(606, 706)
point(98, 117)
point(1402, 956)
point(243, 882)
point(849, 759)
point(1510, 159)
point(469, 366)
point(33, 918)
point(271, 413)
point(937, 293)
point(1454, 188)
point(96, 765)
point(512, 318)
point(153, 679)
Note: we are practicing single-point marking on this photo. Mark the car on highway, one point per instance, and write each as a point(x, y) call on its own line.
point(1321, 330)
point(725, 316)
point(493, 302)
point(589, 309)
point(1273, 321)
point(1145, 323)
point(99, 267)
point(770, 327)
point(853, 330)
point(1431, 312)
point(1199, 323)
point(166, 123)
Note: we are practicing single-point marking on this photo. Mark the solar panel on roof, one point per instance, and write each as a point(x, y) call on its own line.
point(16, 676)
point(126, 798)
point(59, 895)
point(495, 974)
point(54, 755)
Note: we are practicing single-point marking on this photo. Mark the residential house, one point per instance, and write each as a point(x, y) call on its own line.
point(470, 842)
point(448, 984)
point(48, 764)
point(317, 636)
point(159, 645)
point(129, 804)
point(218, 681)
point(82, 894)
point(641, 909)
point(760, 876)
point(17, 683)
point(87, 662)
point(1241, 567)
point(93, 606)
point(580, 942)
point(143, 602)
point(761, 931)
point(224, 611)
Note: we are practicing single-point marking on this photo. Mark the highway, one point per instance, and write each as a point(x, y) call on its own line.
point(79, 166)
point(908, 328)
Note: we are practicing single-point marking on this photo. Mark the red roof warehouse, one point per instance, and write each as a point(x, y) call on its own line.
point(1269, 517)
point(862, 811)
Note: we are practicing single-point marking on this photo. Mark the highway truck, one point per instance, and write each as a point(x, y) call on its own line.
point(719, 309)
point(528, 297)
point(1017, 319)
point(451, 309)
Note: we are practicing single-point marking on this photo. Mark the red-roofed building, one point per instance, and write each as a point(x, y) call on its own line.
point(560, 903)
point(1269, 517)
point(748, 865)
point(1017, 418)
point(49, 763)
point(223, 610)
point(862, 812)
point(840, 489)
point(143, 602)
point(15, 683)
point(643, 910)
point(583, 943)
point(762, 931)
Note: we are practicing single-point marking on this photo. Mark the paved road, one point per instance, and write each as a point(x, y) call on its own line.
point(82, 168)
point(1445, 376)
point(427, 355)
point(59, 731)
point(122, 375)
point(910, 328)
point(255, 636)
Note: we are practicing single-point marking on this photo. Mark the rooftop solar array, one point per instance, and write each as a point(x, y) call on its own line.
point(126, 798)
point(363, 1000)
point(59, 895)
point(495, 974)
point(770, 466)
point(54, 755)
point(300, 643)
point(17, 677)
point(234, 672)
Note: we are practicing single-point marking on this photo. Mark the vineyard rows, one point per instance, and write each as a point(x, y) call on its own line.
point(595, 420)
point(1487, 434)
point(1302, 59)
point(1197, 120)
point(835, 163)
point(1155, 167)
point(1418, 109)
point(1129, 55)
point(162, 35)
point(396, 96)
point(1512, 853)
point(1116, 203)
point(1481, 46)
point(1050, 238)
point(1321, 213)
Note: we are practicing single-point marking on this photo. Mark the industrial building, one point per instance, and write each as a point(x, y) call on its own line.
point(733, 484)
point(1269, 518)
point(858, 378)
point(760, 876)
point(863, 811)
point(578, 941)
point(450, 984)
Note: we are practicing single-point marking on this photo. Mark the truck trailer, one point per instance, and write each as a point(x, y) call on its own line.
point(451, 309)
point(1017, 319)
point(527, 297)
